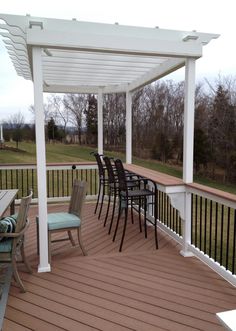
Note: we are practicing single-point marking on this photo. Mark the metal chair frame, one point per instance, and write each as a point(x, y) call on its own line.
point(127, 197)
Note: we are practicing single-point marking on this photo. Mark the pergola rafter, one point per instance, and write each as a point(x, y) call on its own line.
point(63, 56)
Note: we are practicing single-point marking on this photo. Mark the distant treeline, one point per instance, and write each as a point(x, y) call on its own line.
point(157, 124)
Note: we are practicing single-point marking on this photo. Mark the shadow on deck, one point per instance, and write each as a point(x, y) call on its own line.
point(139, 289)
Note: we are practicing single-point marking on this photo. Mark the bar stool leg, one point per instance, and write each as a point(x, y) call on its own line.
point(98, 198)
point(124, 230)
point(139, 214)
point(108, 207)
point(117, 222)
point(132, 212)
point(155, 216)
point(103, 194)
point(113, 212)
point(145, 216)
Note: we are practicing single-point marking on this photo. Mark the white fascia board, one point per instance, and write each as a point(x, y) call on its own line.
point(70, 89)
point(84, 89)
point(121, 88)
point(21, 23)
point(108, 43)
point(154, 74)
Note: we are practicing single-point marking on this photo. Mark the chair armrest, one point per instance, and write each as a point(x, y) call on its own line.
point(15, 234)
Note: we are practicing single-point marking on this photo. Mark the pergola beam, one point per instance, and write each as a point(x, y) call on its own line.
point(157, 73)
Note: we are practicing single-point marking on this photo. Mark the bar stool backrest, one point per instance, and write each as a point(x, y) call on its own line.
point(110, 171)
point(101, 169)
point(121, 175)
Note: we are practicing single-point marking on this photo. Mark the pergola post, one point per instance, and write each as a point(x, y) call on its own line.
point(188, 147)
point(128, 127)
point(189, 120)
point(44, 266)
point(100, 122)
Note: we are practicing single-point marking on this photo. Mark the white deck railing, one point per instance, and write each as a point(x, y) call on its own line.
point(213, 216)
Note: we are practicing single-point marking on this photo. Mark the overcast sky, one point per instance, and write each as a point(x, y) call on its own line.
point(212, 16)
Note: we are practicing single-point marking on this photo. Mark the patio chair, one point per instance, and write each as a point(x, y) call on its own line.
point(127, 197)
point(12, 244)
point(67, 221)
point(113, 187)
point(112, 190)
point(103, 182)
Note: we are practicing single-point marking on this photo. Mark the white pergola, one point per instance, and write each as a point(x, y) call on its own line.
point(62, 56)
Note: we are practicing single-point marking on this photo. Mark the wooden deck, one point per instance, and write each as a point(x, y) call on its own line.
point(138, 289)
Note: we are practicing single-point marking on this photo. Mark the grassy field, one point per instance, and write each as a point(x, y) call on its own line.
point(59, 153)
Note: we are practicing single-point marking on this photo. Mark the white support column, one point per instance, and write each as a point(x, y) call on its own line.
point(100, 122)
point(187, 226)
point(189, 120)
point(128, 127)
point(188, 149)
point(44, 266)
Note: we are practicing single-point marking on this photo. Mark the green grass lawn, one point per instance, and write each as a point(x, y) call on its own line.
point(58, 153)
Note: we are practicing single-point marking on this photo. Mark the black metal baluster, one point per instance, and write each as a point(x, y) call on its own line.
point(6, 177)
point(27, 179)
point(164, 207)
point(205, 222)
point(53, 184)
point(32, 180)
point(63, 182)
point(180, 224)
point(156, 208)
point(210, 233)
point(90, 181)
point(227, 241)
point(95, 179)
point(17, 183)
point(200, 236)
point(216, 230)
point(222, 235)
point(48, 183)
point(58, 183)
point(174, 220)
point(11, 179)
point(192, 219)
point(234, 245)
point(196, 221)
point(165, 211)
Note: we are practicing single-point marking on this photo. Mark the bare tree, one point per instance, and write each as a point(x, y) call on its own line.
point(58, 111)
point(48, 112)
point(16, 123)
point(114, 120)
point(76, 104)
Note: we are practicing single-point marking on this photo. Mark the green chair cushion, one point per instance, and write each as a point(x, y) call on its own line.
point(61, 220)
point(6, 246)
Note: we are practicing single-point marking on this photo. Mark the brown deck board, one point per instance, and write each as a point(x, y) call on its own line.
point(139, 289)
point(9, 326)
